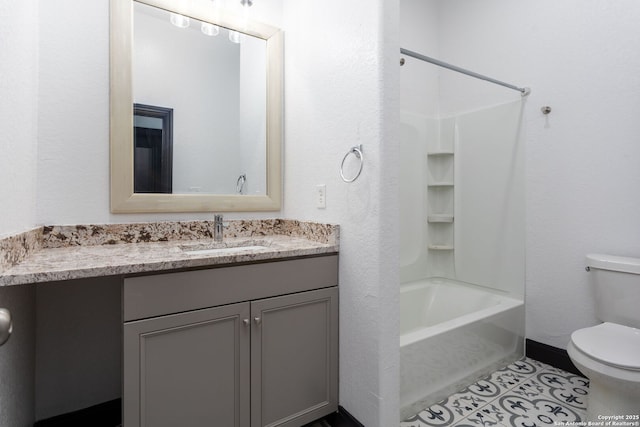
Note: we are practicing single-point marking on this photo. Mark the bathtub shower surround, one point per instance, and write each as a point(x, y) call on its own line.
point(462, 250)
point(462, 198)
point(450, 335)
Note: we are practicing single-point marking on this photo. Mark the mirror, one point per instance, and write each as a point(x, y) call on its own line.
point(202, 131)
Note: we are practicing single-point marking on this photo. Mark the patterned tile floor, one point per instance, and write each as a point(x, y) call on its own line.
point(526, 393)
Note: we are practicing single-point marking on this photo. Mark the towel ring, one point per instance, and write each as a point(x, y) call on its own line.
point(357, 151)
point(240, 183)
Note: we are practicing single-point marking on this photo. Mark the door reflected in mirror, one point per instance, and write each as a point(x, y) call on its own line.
point(214, 82)
point(152, 149)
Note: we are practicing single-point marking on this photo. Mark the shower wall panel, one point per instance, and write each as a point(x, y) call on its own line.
point(489, 199)
point(416, 131)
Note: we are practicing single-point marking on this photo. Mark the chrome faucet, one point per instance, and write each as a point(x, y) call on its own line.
point(218, 228)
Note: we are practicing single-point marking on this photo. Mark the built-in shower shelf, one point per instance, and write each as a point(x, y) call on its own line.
point(440, 218)
point(440, 181)
point(440, 153)
point(440, 247)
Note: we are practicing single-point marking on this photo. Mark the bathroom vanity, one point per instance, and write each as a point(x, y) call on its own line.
point(242, 345)
point(239, 333)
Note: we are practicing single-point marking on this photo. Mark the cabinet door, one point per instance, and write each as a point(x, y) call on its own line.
point(189, 369)
point(294, 358)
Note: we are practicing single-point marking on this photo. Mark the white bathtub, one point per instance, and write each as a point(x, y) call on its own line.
point(451, 334)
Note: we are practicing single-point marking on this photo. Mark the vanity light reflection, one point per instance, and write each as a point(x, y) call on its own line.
point(180, 21)
point(209, 29)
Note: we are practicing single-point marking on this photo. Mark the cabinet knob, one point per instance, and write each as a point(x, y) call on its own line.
point(246, 322)
point(6, 325)
point(257, 320)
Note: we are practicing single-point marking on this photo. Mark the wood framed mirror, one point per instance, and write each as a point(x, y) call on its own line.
point(244, 135)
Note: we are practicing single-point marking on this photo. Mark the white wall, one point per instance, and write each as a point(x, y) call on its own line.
point(581, 58)
point(73, 119)
point(18, 115)
point(342, 90)
point(419, 32)
point(18, 151)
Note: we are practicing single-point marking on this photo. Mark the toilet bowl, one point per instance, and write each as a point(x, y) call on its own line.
point(608, 354)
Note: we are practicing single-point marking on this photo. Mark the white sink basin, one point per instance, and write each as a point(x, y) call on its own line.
point(231, 250)
point(224, 248)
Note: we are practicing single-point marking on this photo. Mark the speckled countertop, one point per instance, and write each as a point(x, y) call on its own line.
point(53, 253)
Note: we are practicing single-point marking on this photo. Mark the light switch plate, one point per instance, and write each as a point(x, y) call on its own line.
point(321, 196)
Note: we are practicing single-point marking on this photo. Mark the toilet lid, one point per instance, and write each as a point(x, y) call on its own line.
point(611, 344)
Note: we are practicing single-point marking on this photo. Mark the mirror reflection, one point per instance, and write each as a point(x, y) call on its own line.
point(200, 106)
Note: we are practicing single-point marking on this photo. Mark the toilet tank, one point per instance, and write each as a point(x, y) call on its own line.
point(616, 281)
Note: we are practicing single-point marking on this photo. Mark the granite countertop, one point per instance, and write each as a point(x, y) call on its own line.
point(54, 253)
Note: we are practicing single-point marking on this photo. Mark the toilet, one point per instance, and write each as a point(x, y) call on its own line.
point(608, 354)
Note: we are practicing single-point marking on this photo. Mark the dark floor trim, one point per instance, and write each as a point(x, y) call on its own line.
point(108, 414)
point(342, 418)
point(550, 355)
point(351, 418)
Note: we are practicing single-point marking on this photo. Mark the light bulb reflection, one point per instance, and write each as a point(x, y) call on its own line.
point(234, 36)
point(180, 21)
point(209, 29)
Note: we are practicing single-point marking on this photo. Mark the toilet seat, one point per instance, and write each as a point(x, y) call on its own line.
point(609, 343)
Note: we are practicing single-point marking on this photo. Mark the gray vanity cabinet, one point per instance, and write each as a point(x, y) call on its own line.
point(189, 369)
point(294, 366)
point(267, 357)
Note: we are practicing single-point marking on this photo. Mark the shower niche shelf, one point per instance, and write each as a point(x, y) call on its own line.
point(440, 153)
point(440, 184)
point(440, 247)
point(440, 218)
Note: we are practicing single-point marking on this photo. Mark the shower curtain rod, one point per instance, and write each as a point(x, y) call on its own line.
point(524, 91)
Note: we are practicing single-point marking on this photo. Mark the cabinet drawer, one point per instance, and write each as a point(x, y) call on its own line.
point(156, 295)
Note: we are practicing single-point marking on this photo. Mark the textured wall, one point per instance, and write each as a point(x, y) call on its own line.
point(582, 160)
point(340, 93)
point(18, 150)
point(420, 32)
point(18, 114)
